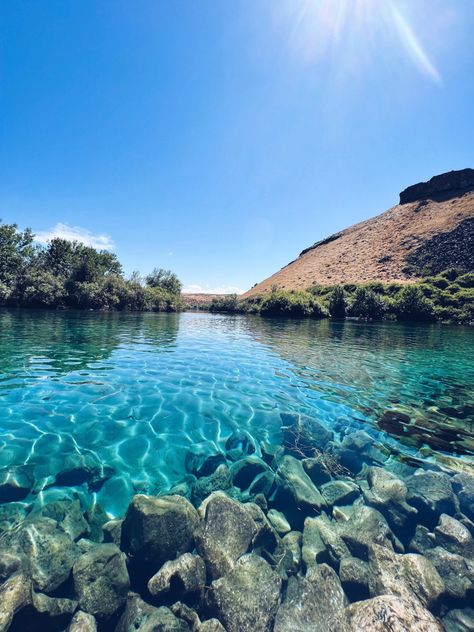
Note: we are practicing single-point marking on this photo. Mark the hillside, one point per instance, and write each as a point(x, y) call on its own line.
point(432, 228)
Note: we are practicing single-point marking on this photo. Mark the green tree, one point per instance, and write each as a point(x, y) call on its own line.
point(338, 303)
point(412, 304)
point(16, 253)
point(164, 279)
point(368, 304)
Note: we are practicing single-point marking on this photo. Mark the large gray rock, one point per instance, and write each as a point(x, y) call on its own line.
point(211, 625)
point(139, 616)
point(322, 541)
point(225, 533)
point(245, 470)
point(82, 622)
point(408, 576)
point(388, 613)
point(220, 480)
point(156, 529)
point(453, 536)
point(340, 492)
point(432, 494)
point(296, 486)
point(365, 527)
point(459, 620)
point(15, 594)
point(388, 494)
point(246, 599)
point(292, 542)
point(278, 521)
point(354, 575)
point(15, 483)
point(303, 435)
point(463, 485)
point(101, 581)
point(456, 571)
point(315, 602)
point(68, 514)
point(187, 573)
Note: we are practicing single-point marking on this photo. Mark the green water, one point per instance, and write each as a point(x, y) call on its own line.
point(136, 391)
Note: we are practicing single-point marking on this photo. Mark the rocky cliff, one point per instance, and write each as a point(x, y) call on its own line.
point(431, 229)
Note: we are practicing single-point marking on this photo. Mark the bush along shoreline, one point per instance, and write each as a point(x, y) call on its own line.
point(327, 531)
point(447, 297)
point(65, 274)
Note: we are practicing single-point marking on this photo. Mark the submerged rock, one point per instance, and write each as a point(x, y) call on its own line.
point(82, 622)
point(408, 576)
point(139, 616)
point(156, 529)
point(315, 602)
point(340, 492)
point(225, 533)
point(278, 521)
point(239, 445)
point(463, 485)
point(246, 599)
point(15, 594)
point(201, 463)
point(432, 494)
point(303, 436)
point(101, 580)
point(211, 625)
point(220, 480)
point(388, 612)
point(15, 483)
point(186, 574)
point(453, 536)
point(459, 620)
point(365, 527)
point(388, 494)
point(456, 571)
point(245, 470)
point(296, 487)
point(354, 575)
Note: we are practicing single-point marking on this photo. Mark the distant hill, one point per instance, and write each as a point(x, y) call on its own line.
point(431, 229)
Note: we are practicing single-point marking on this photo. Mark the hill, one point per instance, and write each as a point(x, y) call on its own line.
point(431, 229)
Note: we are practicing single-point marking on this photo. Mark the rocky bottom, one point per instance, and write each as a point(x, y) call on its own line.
point(313, 535)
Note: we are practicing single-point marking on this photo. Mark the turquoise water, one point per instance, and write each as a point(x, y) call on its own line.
point(134, 392)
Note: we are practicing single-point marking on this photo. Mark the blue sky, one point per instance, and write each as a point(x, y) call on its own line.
point(221, 138)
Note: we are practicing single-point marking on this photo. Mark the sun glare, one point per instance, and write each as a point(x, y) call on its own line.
point(352, 33)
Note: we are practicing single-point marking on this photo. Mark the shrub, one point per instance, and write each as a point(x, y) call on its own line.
point(337, 303)
point(368, 304)
point(412, 304)
point(229, 304)
point(296, 304)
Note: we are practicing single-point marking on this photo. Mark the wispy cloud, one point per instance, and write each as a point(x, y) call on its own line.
point(75, 233)
point(196, 288)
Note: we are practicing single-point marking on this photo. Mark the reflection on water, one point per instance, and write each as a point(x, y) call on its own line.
point(134, 391)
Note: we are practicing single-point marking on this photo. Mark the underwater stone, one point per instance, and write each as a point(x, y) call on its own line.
point(264, 484)
point(456, 571)
point(422, 540)
point(453, 536)
point(15, 594)
point(459, 620)
point(303, 436)
point(296, 484)
point(224, 534)
point(278, 521)
point(156, 529)
point(314, 549)
point(184, 612)
point(408, 576)
point(139, 616)
point(11, 514)
point(431, 493)
point(388, 494)
point(58, 609)
point(15, 483)
point(211, 625)
point(239, 444)
point(10, 563)
point(187, 572)
point(221, 480)
point(401, 615)
point(271, 453)
point(101, 580)
point(365, 527)
point(203, 463)
point(463, 485)
point(316, 470)
point(292, 542)
point(82, 622)
point(340, 492)
point(80, 469)
point(245, 470)
point(246, 599)
point(113, 531)
point(354, 575)
point(315, 602)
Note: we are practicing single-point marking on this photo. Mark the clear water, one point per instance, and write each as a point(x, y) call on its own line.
point(138, 390)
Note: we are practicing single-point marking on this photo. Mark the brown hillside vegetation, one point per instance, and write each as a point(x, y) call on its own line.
point(436, 221)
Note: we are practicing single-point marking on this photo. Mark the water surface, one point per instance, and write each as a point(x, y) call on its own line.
point(136, 391)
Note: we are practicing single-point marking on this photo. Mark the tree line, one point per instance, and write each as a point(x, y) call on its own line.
point(69, 274)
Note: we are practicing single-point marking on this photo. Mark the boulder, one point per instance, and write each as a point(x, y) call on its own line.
point(156, 529)
point(322, 542)
point(246, 599)
point(101, 581)
point(365, 527)
point(15, 483)
point(452, 535)
point(459, 620)
point(201, 463)
point(463, 485)
point(303, 436)
point(239, 444)
point(388, 494)
point(354, 575)
point(82, 622)
point(187, 614)
point(339, 492)
point(317, 470)
point(245, 470)
point(15, 594)
point(68, 514)
point(456, 571)
point(292, 542)
point(388, 612)
point(278, 521)
point(264, 484)
point(139, 616)
point(224, 534)
point(220, 480)
point(432, 494)
point(112, 530)
point(185, 574)
point(315, 602)
point(295, 486)
point(211, 625)
point(79, 469)
point(408, 576)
